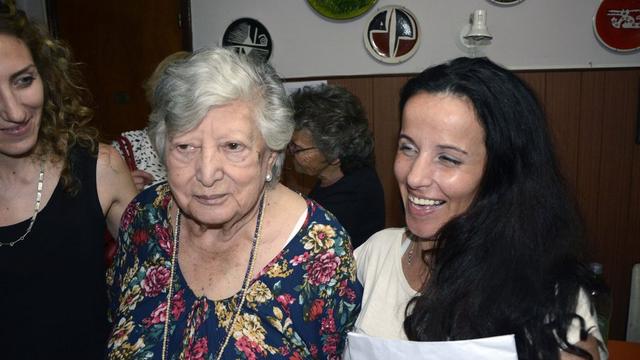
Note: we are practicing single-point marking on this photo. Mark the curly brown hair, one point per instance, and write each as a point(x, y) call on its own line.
point(65, 115)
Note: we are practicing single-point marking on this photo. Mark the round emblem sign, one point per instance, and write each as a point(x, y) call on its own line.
point(248, 36)
point(392, 34)
point(341, 9)
point(617, 24)
point(506, 2)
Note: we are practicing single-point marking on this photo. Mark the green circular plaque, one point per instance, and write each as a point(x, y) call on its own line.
point(341, 9)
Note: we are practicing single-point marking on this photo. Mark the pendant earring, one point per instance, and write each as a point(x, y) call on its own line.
point(269, 177)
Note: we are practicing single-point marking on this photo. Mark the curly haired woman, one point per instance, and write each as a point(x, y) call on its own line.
point(60, 190)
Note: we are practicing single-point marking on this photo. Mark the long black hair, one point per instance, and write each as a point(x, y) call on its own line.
point(511, 263)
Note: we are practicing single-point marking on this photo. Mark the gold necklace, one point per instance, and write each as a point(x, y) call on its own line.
point(35, 210)
point(245, 283)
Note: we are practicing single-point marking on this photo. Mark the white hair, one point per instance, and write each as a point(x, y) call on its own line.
point(189, 88)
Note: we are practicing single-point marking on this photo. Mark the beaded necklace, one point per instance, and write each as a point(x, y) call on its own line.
point(245, 283)
point(35, 210)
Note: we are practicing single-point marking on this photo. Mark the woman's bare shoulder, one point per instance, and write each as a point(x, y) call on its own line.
point(286, 201)
point(110, 160)
point(115, 185)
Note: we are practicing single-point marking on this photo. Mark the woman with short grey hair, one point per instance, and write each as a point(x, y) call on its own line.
point(333, 143)
point(215, 78)
point(223, 261)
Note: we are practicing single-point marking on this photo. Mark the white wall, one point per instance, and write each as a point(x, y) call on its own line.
point(535, 34)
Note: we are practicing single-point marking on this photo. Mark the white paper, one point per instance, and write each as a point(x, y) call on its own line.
point(360, 346)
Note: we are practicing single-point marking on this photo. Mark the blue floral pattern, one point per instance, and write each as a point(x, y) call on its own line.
point(300, 306)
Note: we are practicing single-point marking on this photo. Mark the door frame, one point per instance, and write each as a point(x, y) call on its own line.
point(184, 21)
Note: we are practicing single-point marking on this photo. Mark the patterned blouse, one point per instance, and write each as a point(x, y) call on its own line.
point(300, 306)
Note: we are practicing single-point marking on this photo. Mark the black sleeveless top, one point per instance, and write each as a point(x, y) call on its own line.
point(52, 283)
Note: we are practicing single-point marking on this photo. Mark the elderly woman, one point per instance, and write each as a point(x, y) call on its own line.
point(60, 190)
point(491, 243)
point(223, 261)
point(332, 142)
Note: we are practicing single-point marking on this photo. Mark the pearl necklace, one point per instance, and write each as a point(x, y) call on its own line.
point(35, 210)
point(245, 283)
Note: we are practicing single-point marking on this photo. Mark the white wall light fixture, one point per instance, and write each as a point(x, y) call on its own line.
point(475, 36)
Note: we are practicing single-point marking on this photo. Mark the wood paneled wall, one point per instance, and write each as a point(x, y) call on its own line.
point(593, 116)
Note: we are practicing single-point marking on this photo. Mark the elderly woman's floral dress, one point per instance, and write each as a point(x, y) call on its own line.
point(300, 306)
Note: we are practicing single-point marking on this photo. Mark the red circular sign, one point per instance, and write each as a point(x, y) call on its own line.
point(392, 34)
point(617, 24)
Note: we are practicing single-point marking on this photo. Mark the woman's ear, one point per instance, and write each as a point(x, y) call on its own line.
point(273, 156)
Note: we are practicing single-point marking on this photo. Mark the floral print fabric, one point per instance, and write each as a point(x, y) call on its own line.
point(300, 306)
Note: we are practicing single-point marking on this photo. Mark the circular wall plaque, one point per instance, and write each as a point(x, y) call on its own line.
point(248, 36)
point(506, 2)
point(392, 34)
point(616, 24)
point(341, 9)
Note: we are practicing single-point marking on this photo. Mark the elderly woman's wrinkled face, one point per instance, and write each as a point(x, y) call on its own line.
point(21, 98)
point(440, 160)
point(307, 158)
point(217, 170)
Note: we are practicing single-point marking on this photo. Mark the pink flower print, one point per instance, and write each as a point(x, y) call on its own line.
point(249, 348)
point(328, 323)
point(299, 259)
point(197, 350)
point(162, 233)
point(165, 202)
point(177, 304)
point(197, 314)
point(314, 351)
point(285, 300)
point(283, 350)
point(323, 268)
point(166, 242)
point(330, 345)
point(127, 217)
point(156, 280)
point(345, 291)
point(157, 316)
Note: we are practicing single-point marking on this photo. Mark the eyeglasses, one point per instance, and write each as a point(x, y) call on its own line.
point(294, 149)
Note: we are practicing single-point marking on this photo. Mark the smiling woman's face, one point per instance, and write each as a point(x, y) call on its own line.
point(21, 98)
point(217, 170)
point(440, 160)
